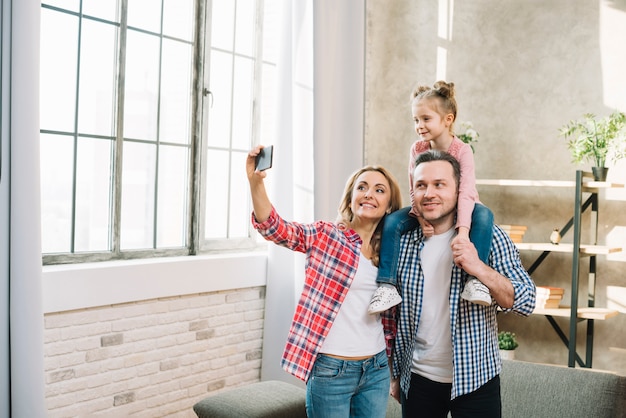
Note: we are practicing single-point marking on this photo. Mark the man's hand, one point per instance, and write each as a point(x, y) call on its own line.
point(466, 256)
point(427, 229)
point(394, 389)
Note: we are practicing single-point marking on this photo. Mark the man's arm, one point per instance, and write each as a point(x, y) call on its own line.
point(466, 257)
point(389, 319)
point(508, 281)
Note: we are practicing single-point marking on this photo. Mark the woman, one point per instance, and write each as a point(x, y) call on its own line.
point(334, 345)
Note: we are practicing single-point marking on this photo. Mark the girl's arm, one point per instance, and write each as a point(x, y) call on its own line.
point(260, 201)
point(468, 195)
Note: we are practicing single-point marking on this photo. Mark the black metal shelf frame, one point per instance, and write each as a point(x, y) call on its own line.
point(579, 208)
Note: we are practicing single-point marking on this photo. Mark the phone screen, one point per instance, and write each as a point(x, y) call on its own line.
point(264, 159)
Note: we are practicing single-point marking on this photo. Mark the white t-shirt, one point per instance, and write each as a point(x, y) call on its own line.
point(354, 332)
point(432, 356)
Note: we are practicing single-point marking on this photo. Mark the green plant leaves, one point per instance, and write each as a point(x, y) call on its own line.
point(507, 341)
point(595, 140)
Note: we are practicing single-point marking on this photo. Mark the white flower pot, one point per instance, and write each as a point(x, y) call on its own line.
point(507, 354)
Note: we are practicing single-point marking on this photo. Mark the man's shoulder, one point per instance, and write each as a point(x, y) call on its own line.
point(501, 238)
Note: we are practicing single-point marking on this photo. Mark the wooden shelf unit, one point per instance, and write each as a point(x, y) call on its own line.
point(568, 248)
point(584, 183)
point(582, 313)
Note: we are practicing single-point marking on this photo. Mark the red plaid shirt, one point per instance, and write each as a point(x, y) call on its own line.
point(332, 257)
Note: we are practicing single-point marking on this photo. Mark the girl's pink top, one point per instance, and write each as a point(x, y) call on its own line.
point(468, 195)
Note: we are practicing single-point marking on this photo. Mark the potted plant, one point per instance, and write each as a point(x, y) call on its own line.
point(507, 343)
point(592, 139)
point(469, 135)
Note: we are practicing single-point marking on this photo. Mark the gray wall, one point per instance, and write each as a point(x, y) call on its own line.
point(522, 70)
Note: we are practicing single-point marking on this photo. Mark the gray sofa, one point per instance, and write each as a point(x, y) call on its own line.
point(529, 390)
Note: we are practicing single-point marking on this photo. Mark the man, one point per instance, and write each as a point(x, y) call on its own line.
point(445, 350)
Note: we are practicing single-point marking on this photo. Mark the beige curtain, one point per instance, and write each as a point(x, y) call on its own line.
point(319, 141)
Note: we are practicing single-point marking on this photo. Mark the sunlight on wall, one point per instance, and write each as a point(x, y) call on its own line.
point(444, 31)
point(616, 298)
point(612, 33)
point(617, 174)
point(616, 238)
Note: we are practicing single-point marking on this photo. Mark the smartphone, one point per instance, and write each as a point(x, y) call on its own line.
point(264, 159)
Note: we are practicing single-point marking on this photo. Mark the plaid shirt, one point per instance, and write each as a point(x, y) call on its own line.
point(476, 358)
point(332, 257)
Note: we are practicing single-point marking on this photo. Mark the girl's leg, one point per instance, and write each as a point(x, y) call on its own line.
point(395, 224)
point(481, 234)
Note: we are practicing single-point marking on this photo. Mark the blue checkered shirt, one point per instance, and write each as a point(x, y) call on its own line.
point(476, 358)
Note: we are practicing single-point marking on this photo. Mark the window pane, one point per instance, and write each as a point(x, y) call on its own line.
point(172, 196)
point(145, 14)
point(242, 103)
point(219, 113)
point(216, 206)
point(103, 9)
point(98, 80)
point(57, 161)
point(138, 178)
point(72, 5)
point(176, 92)
point(142, 86)
point(239, 218)
point(93, 194)
point(59, 44)
point(271, 25)
point(267, 105)
point(244, 39)
point(222, 24)
point(178, 21)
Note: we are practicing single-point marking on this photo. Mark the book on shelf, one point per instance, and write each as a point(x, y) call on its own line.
point(510, 228)
point(515, 237)
point(548, 303)
point(515, 232)
point(549, 290)
point(549, 297)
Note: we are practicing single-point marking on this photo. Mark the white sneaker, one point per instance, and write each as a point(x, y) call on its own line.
point(476, 292)
point(384, 298)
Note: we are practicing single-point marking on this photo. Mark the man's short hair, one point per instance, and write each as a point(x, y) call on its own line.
point(436, 155)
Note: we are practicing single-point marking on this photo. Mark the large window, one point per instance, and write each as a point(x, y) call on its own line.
point(148, 108)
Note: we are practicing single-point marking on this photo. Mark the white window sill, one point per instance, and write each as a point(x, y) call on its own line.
point(77, 286)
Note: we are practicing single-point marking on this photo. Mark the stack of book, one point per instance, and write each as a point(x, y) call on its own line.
point(549, 297)
point(516, 232)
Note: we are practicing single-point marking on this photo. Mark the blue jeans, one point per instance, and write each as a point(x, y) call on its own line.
point(399, 222)
point(341, 389)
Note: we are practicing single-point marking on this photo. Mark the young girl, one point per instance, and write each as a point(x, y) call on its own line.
point(434, 112)
point(333, 344)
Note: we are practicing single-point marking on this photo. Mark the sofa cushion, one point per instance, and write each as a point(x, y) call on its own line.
point(269, 399)
point(541, 390)
point(263, 400)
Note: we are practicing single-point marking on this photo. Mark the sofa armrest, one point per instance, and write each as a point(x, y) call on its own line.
point(269, 399)
point(542, 390)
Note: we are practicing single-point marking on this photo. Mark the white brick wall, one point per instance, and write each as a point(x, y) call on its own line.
point(152, 358)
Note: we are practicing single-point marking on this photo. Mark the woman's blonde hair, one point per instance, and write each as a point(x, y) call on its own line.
point(395, 202)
